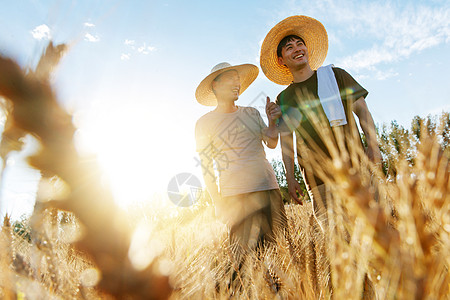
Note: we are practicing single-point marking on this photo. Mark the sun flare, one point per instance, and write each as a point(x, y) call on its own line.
point(134, 155)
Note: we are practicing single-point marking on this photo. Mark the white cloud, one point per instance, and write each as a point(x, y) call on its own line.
point(91, 38)
point(141, 48)
point(376, 74)
point(125, 56)
point(41, 32)
point(398, 32)
point(87, 24)
point(378, 32)
point(146, 49)
point(383, 75)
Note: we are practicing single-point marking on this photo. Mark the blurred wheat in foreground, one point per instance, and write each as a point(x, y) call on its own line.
point(385, 234)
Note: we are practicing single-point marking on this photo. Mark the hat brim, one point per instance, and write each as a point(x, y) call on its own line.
point(310, 30)
point(204, 93)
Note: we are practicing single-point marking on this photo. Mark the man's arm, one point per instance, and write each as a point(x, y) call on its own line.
point(368, 126)
point(287, 150)
point(271, 135)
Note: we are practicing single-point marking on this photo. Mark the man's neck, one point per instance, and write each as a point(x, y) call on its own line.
point(302, 74)
point(226, 106)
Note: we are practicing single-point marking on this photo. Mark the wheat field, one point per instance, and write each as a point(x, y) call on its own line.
point(385, 234)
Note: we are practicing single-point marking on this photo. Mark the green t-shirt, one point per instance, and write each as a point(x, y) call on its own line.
point(300, 100)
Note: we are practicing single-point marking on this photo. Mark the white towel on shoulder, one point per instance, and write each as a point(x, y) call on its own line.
point(330, 97)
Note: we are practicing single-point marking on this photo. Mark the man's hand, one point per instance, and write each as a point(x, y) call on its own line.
point(273, 111)
point(294, 187)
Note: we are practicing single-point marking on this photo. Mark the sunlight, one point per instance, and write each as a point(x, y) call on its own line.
point(135, 156)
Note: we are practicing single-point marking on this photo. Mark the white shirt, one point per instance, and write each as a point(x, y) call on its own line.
point(234, 142)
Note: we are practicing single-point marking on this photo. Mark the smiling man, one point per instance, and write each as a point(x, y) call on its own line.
point(292, 54)
point(230, 145)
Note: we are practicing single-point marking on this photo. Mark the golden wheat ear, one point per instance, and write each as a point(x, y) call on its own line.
point(50, 60)
point(107, 236)
point(8, 280)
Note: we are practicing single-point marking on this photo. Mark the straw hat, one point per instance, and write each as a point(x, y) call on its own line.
point(310, 30)
point(204, 92)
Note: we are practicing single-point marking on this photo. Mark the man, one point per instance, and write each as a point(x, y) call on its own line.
point(231, 137)
point(290, 55)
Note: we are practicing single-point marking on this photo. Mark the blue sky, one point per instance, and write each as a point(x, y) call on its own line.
point(133, 66)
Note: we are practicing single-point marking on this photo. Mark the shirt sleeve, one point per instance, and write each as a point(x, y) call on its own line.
point(261, 122)
point(349, 87)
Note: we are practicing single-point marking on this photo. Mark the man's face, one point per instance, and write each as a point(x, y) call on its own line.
point(228, 85)
point(294, 55)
